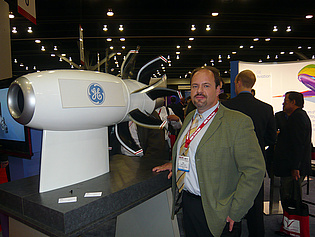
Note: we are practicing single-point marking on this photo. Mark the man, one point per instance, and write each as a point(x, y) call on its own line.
point(151, 141)
point(264, 122)
point(293, 149)
point(226, 166)
point(178, 108)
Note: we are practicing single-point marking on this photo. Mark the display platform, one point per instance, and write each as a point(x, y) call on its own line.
point(129, 183)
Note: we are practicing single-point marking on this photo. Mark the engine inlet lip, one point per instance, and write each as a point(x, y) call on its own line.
point(24, 86)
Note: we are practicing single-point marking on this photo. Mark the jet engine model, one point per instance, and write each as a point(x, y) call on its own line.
point(74, 109)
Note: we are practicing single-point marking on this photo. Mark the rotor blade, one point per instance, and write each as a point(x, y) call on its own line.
point(146, 120)
point(92, 68)
point(124, 137)
point(128, 64)
point(144, 74)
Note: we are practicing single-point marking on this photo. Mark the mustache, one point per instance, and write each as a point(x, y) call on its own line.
point(200, 94)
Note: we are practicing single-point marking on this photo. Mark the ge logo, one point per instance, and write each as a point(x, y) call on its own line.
point(96, 93)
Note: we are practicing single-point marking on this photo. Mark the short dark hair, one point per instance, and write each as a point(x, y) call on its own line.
point(215, 72)
point(297, 96)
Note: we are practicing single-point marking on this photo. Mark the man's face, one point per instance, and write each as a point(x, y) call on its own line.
point(287, 105)
point(204, 93)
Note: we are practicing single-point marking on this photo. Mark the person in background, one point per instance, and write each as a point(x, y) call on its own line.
point(263, 118)
point(217, 167)
point(178, 108)
point(292, 156)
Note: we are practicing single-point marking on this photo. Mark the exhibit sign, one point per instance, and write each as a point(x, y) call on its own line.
point(273, 80)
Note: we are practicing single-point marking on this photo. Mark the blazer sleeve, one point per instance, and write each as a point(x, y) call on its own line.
point(251, 165)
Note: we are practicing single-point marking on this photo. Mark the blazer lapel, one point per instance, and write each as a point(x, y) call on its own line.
point(215, 124)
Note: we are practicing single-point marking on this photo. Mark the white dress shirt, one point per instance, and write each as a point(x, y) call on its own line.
point(191, 177)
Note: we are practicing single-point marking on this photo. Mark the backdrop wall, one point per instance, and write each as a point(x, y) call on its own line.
point(275, 79)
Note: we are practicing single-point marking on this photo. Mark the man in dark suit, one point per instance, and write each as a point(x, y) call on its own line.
point(264, 122)
point(293, 149)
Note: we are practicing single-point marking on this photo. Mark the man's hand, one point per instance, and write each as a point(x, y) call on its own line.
point(295, 174)
point(228, 219)
point(167, 166)
point(173, 117)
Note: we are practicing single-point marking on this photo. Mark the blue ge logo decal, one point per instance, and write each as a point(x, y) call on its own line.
point(96, 93)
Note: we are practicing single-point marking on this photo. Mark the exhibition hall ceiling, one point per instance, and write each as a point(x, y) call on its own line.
point(185, 32)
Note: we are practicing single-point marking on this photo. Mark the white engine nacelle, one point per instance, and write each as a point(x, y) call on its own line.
point(68, 100)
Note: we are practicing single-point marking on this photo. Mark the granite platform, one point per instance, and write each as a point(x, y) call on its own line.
point(129, 183)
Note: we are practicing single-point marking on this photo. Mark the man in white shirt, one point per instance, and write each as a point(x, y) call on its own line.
point(221, 160)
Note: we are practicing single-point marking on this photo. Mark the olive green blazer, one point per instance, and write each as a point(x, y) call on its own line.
point(230, 167)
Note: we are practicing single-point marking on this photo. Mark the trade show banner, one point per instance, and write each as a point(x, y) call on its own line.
point(273, 80)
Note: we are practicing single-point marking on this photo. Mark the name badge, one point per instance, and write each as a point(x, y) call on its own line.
point(183, 163)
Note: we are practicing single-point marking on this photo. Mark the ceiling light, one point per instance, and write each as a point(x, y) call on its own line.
point(105, 28)
point(276, 57)
point(111, 47)
point(121, 28)
point(313, 57)
point(220, 61)
point(34, 68)
point(309, 16)
point(177, 52)
point(55, 48)
point(288, 29)
point(43, 48)
point(38, 41)
point(60, 59)
point(53, 55)
point(178, 46)
point(208, 28)
point(177, 57)
point(219, 57)
point(26, 68)
point(268, 56)
point(275, 29)
point(193, 28)
point(15, 60)
point(122, 39)
point(70, 59)
point(256, 39)
point(267, 39)
point(30, 29)
point(234, 52)
point(191, 39)
point(241, 46)
point(251, 47)
point(63, 55)
point(109, 39)
point(309, 47)
point(11, 16)
point(110, 12)
point(228, 57)
point(260, 61)
point(123, 47)
point(14, 30)
point(189, 46)
point(291, 52)
point(21, 65)
point(282, 52)
point(118, 53)
point(214, 13)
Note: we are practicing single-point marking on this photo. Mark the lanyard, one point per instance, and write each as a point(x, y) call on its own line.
point(189, 139)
